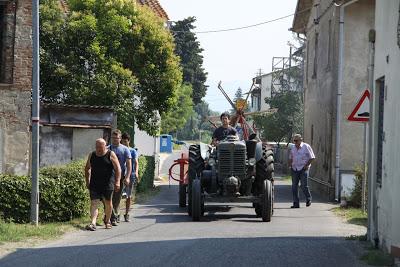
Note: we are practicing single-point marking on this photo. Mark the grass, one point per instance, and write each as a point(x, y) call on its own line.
point(176, 147)
point(286, 178)
point(13, 232)
point(357, 237)
point(143, 197)
point(352, 215)
point(377, 257)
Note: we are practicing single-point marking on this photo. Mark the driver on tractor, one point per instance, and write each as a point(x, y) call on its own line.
point(223, 131)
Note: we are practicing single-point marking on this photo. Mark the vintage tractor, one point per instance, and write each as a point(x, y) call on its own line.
point(233, 171)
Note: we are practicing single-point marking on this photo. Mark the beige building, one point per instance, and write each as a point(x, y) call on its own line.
point(384, 211)
point(337, 143)
point(68, 132)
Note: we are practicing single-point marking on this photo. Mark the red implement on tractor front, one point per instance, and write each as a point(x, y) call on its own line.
point(183, 176)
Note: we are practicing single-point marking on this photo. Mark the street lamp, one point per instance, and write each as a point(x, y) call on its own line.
point(35, 114)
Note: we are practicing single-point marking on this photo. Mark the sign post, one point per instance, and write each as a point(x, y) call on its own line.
point(361, 114)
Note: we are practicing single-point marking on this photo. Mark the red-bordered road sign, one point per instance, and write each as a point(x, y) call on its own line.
point(361, 111)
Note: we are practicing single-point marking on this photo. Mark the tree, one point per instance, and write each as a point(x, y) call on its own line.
point(238, 94)
point(187, 47)
point(176, 119)
point(280, 126)
point(197, 122)
point(109, 52)
point(239, 97)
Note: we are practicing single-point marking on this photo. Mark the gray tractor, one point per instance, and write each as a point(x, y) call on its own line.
point(233, 171)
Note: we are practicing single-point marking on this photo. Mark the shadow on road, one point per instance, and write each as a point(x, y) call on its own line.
point(262, 251)
point(166, 208)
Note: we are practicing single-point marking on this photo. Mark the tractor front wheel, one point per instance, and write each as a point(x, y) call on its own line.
point(266, 201)
point(182, 195)
point(196, 200)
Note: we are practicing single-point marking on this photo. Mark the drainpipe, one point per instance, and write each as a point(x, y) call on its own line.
point(339, 97)
point(372, 231)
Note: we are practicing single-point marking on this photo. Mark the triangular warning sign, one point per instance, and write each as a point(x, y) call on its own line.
point(361, 111)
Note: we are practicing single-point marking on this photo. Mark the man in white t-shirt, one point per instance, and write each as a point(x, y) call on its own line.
point(300, 158)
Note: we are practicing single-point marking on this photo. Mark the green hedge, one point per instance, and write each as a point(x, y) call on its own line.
point(146, 173)
point(63, 193)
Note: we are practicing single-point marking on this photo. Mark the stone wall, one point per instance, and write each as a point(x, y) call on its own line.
point(15, 89)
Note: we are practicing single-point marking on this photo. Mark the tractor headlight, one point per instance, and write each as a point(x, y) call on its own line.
point(211, 162)
point(252, 161)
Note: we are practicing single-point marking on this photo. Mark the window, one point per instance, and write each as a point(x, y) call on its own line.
point(328, 65)
point(315, 56)
point(381, 134)
point(7, 33)
point(307, 60)
point(2, 30)
point(398, 29)
point(312, 134)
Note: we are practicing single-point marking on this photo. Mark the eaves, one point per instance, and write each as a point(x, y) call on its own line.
point(301, 16)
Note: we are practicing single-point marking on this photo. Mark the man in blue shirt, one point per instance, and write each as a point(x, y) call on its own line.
point(130, 188)
point(124, 158)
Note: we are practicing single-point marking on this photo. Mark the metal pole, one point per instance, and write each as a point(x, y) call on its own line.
point(364, 178)
point(339, 104)
point(35, 114)
point(372, 207)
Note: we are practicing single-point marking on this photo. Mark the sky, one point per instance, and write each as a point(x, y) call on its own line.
point(235, 57)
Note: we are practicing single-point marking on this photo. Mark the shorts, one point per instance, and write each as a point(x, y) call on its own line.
point(106, 194)
point(130, 189)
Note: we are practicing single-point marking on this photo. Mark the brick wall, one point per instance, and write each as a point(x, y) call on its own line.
point(7, 41)
point(15, 89)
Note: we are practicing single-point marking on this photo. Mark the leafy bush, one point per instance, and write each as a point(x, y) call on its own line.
point(63, 194)
point(356, 194)
point(146, 173)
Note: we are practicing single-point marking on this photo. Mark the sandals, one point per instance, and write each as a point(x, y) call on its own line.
point(91, 227)
point(108, 225)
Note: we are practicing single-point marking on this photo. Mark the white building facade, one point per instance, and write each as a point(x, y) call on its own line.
point(262, 91)
point(384, 158)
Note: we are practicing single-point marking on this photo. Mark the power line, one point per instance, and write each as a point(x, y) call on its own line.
point(247, 26)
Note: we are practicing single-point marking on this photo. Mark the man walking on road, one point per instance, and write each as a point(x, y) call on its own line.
point(101, 182)
point(130, 188)
point(300, 158)
point(124, 158)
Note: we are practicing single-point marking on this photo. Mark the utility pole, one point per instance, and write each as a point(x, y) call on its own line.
point(35, 114)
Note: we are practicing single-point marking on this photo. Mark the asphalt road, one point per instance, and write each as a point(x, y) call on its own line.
point(162, 234)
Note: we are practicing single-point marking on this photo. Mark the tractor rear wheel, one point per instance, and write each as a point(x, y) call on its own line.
point(265, 166)
point(264, 172)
